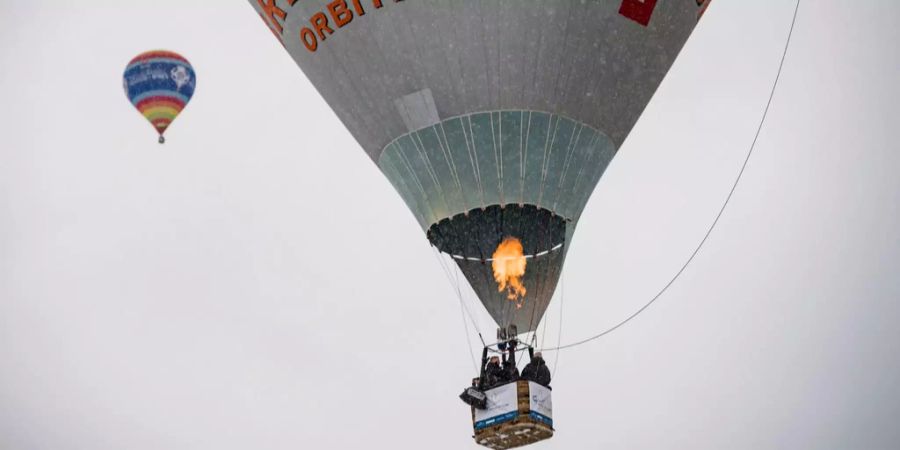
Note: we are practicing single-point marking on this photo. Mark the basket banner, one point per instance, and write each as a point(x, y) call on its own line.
point(540, 403)
point(502, 406)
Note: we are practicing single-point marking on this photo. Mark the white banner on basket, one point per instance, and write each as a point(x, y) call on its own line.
point(502, 405)
point(540, 402)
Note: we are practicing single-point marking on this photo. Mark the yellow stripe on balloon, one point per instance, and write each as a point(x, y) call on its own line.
point(156, 113)
point(160, 108)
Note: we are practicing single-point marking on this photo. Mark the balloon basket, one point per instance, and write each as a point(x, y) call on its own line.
point(517, 414)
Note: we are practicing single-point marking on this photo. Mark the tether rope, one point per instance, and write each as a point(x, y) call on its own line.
point(718, 216)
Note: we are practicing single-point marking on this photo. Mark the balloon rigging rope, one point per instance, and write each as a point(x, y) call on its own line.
point(462, 311)
point(718, 216)
point(531, 335)
point(562, 297)
point(544, 330)
point(465, 312)
point(462, 303)
point(462, 307)
point(454, 281)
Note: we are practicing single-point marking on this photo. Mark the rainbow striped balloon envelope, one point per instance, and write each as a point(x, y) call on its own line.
point(159, 83)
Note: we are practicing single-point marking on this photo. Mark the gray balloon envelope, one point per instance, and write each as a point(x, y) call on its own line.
point(491, 118)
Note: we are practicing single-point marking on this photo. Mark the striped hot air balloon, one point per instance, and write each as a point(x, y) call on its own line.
point(159, 83)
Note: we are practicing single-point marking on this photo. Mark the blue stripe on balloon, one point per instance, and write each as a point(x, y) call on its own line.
point(129, 75)
point(145, 85)
point(187, 91)
point(149, 83)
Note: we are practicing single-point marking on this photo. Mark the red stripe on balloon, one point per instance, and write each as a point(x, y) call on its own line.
point(159, 100)
point(158, 54)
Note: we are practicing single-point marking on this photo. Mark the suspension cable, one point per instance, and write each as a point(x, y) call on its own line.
point(462, 307)
point(456, 274)
point(454, 281)
point(468, 339)
point(562, 297)
point(721, 210)
point(544, 330)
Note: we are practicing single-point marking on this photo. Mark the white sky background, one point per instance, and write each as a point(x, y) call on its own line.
point(257, 283)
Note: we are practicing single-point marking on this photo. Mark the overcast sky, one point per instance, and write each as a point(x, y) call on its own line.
point(244, 286)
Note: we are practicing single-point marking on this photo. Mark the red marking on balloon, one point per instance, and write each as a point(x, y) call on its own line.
point(638, 10)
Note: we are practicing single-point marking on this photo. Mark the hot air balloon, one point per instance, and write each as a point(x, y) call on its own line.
point(159, 83)
point(494, 120)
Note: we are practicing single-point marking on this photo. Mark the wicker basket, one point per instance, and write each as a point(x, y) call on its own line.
point(523, 428)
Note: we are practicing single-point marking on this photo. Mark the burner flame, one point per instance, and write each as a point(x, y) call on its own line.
point(509, 267)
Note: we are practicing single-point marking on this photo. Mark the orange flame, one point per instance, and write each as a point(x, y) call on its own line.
point(509, 268)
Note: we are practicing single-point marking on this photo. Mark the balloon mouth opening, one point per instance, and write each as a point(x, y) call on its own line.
point(511, 255)
point(475, 235)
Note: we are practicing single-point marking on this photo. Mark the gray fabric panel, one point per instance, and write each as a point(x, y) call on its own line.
point(581, 59)
point(463, 160)
point(538, 132)
point(511, 155)
point(404, 180)
point(482, 164)
point(417, 110)
point(485, 146)
point(432, 144)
